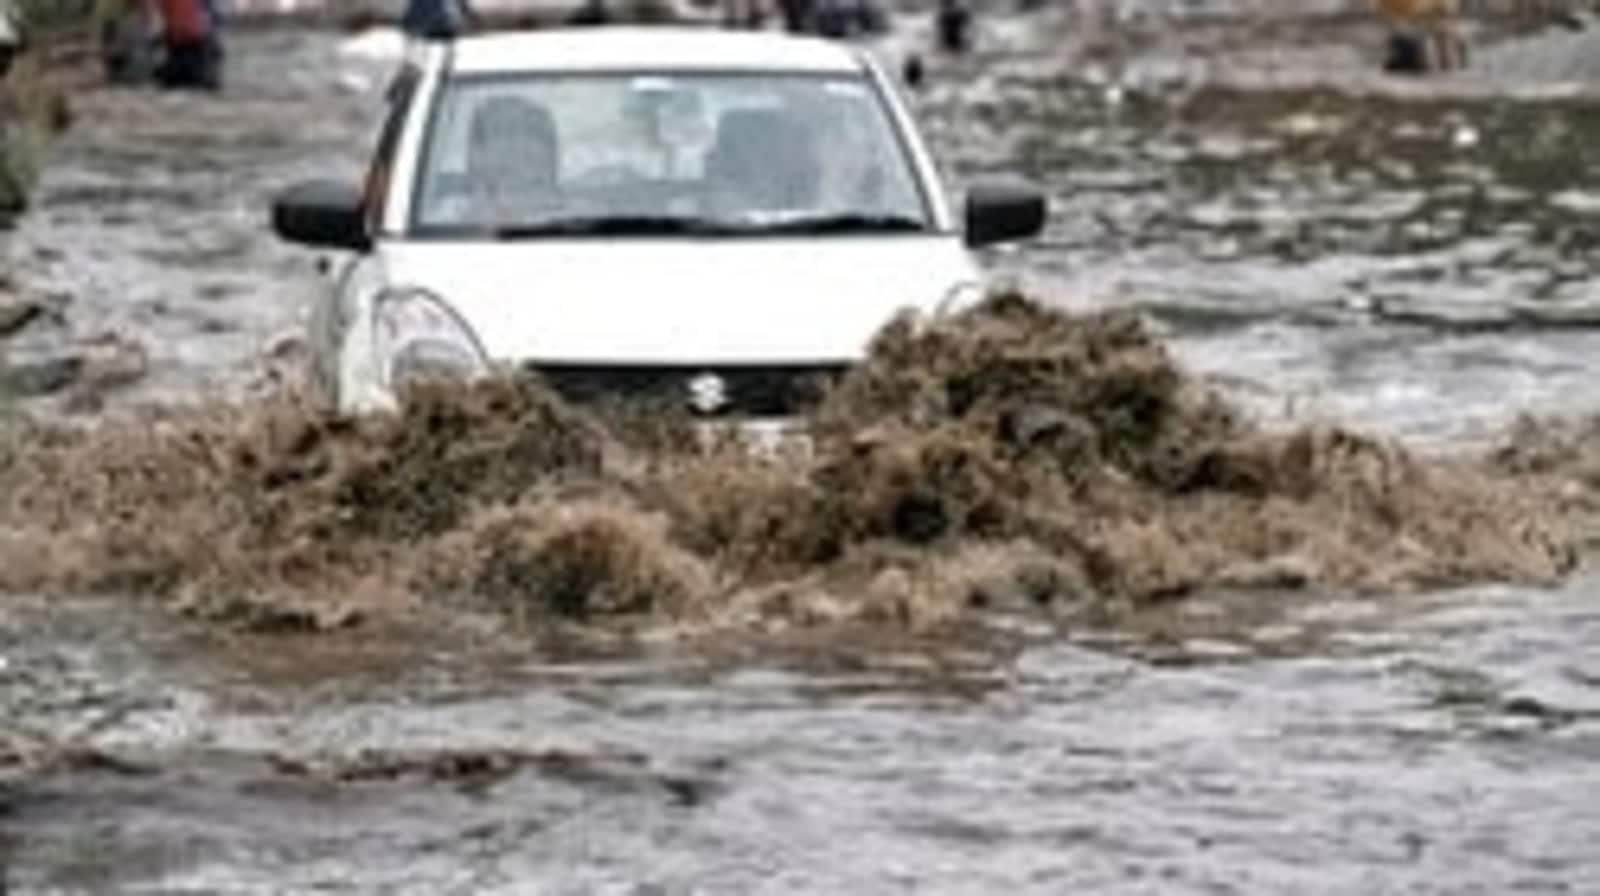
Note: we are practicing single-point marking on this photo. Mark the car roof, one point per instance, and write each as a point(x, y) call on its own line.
point(649, 48)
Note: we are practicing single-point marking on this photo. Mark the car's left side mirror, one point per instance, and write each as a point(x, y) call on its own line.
point(323, 214)
point(998, 213)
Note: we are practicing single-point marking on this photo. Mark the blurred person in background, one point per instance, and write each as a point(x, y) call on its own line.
point(193, 57)
point(436, 19)
point(431, 20)
point(953, 22)
point(834, 18)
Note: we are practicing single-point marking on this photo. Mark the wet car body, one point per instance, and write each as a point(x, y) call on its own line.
point(634, 287)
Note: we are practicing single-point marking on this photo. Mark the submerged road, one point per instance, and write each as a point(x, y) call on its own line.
point(1419, 262)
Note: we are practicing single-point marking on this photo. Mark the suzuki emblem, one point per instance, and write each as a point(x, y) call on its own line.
point(708, 393)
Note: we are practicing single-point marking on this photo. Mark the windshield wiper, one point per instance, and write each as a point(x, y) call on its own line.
point(617, 225)
point(653, 225)
point(848, 222)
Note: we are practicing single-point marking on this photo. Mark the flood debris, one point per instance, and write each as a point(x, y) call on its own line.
point(1008, 457)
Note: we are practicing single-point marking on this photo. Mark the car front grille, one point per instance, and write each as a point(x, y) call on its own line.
point(767, 390)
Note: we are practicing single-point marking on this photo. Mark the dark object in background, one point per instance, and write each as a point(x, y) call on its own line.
point(872, 17)
point(592, 12)
point(193, 65)
point(847, 18)
point(13, 39)
point(833, 19)
point(1408, 54)
point(954, 26)
point(912, 71)
point(129, 53)
point(192, 45)
point(796, 15)
point(437, 19)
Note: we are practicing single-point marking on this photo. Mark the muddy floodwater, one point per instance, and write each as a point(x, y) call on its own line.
point(1412, 258)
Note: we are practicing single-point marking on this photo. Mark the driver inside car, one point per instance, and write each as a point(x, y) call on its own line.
point(763, 161)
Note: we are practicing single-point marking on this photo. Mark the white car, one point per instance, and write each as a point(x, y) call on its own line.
point(717, 218)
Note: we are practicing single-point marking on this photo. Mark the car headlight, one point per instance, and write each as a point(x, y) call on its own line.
point(417, 335)
point(425, 359)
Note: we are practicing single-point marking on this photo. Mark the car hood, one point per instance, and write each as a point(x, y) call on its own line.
point(643, 301)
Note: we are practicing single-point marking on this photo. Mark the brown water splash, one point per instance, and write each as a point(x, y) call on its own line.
point(1561, 458)
point(579, 559)
point(1009, 456)
point(232, 503)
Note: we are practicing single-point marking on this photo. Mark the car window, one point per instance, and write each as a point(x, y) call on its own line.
point(735, 149)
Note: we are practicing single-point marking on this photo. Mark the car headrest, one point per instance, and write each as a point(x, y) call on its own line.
point(763, 144)
point(519, 119)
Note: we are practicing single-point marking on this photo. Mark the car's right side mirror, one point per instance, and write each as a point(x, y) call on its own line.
point(1000, 212)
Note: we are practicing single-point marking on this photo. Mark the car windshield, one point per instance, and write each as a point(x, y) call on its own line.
point(550, 154)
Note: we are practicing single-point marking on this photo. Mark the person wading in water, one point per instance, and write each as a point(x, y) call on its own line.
point(193, 50)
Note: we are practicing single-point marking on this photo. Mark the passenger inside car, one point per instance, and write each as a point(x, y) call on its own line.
point(513, 164)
